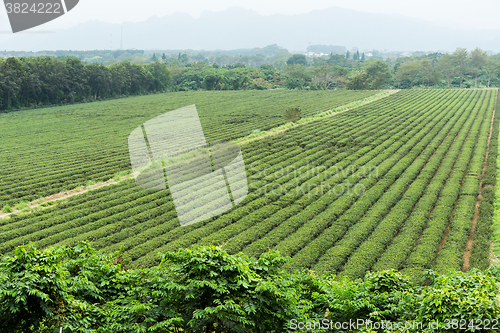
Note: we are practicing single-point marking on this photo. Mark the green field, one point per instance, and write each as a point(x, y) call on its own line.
point(50, 150)
point(391, 184)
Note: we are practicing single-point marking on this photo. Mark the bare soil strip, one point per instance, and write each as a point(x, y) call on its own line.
point(468, 248)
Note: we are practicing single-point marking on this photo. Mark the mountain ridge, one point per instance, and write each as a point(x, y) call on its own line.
point(236, 28)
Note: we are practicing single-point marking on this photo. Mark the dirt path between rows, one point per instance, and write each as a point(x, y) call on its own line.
point(468, 247)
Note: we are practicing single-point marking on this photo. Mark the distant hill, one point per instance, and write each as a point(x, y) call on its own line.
point(240, 28)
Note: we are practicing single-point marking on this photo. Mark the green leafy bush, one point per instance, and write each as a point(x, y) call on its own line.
point(463, 296)
point(293, 115)
point(204, 289)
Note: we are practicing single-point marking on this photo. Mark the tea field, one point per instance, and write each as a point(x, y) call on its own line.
point(49, 150)
point(390, 184)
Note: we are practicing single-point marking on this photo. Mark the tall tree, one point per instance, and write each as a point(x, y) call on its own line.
point(379, 73)
point(478, 58)
point(445, 65)
point(11, 76)
point(491, 67)
point(161, 77)
point(326, 76)
point(340, 60)
point(236, 79)
point(297, 76)
point(31, 86)
point(427, 71)
point(55, 77)
point(435, 77)
point(77, 80)
point(360, 81)
point(99, 79)
point(460, 62)
point(184, 58)
point(409, 71)
point(297, 59)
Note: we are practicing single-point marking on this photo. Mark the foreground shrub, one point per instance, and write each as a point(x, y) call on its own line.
point(462, 297)
point(204, 289)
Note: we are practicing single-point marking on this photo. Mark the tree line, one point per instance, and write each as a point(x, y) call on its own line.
point(36, 81)
point(29, 82)
point(454, 69)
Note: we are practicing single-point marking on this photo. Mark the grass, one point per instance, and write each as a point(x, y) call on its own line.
point(22, 205)
point(7, 209)
point(89, 183)
point(121, 174)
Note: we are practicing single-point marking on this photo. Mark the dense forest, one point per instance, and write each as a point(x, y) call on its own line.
point(34, 81)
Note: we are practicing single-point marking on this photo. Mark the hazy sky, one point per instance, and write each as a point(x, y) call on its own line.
point(476, 13)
